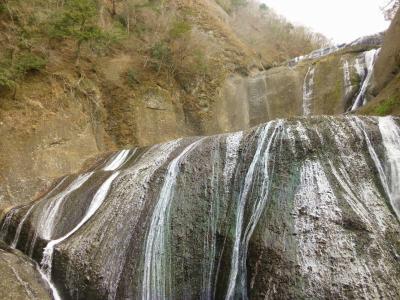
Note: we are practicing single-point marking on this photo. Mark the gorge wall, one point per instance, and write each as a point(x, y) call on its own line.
point(74, 122)
point(329, 81)
point(302, 207)
point(298, 208)
point(385, 87)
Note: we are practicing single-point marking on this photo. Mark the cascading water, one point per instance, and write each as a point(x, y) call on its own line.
point(94, 205)
point(391, 141)
point(279, 211)
point(212, 226)
point(261, 160)
point(156, 284)
point(347, 80)
point(308, 88)
point(19, 228)
point(114, 164)
point(48, 219)
point(316, 54)
point(370, 58)
point(360, 69)
point(388, 169)
point(26, 216)
point(118, 160)
point(7, 222)
point(47, 222)
point(370, 41)
point(211, 268)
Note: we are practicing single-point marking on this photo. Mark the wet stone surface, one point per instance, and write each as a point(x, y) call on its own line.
point(292, 209)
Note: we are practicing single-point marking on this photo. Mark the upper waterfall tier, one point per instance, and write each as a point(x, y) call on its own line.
point(374, 41)
point(292, 209)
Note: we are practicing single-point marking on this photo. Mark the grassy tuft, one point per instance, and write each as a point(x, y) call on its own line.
point(387, 106)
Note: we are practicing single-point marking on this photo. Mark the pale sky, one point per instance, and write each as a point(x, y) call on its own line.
point(339, 20)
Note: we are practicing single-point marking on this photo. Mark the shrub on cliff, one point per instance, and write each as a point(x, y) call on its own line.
point(78, 20)
point(6, 80)
point(29, 62)
point(11, 72)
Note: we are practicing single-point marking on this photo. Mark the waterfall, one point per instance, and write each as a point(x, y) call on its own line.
point(391, 141)
point(308, 87)
point(97, 201)
point(115, 163)
point(261, 161)
point(347, 80)
point(19, 228)
point(210, 239)
point(370, 58)
point(7, 222)
point(155, 283)
point(48, 218)
point(117, 160)
point(47, 222)
point(316, 54)
point(389, 176)
point(360, 68)
point(231, 156)
point(302, 208)
point(232, 147)
point(23, 220)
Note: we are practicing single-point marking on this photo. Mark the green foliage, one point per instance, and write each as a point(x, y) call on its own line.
point(387, 106)
point(264, 7)
point(117, 33)
point(2, 8)
point(24, 63)
point(180, 28)
point(6, 79)
point(28, 63)
point(78, 20)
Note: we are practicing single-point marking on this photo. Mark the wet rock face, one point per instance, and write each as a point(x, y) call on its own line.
point(298, 208)
point(327, 83)
point(19, 278)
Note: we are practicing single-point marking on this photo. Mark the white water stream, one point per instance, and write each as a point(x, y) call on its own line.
point(370, 58)
point(389, 170)
point(238, 262)
point(155, 283)
point(115, 163)
point(308, 90)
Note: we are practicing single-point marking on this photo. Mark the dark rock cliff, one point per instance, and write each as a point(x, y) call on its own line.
point(298, 208)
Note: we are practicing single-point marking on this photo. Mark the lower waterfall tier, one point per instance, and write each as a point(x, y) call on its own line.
point(292, 209)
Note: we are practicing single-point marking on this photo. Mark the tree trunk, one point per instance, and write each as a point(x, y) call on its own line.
point(113, 11)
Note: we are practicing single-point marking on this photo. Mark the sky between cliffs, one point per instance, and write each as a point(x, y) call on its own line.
point(340, 20)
